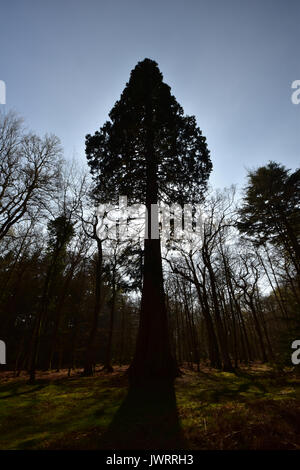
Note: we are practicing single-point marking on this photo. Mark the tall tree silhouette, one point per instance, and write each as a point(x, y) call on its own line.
point(150, 152)
point(271, 209)
point(61, 231)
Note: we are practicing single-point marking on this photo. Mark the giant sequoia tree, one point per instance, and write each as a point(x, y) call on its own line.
point(150, 152)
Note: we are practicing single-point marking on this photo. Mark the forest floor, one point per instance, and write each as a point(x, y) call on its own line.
point(254, 408)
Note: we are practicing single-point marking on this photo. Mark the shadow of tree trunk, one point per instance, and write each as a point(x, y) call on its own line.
point(147, 419)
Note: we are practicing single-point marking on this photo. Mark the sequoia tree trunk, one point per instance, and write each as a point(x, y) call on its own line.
point(153, 358)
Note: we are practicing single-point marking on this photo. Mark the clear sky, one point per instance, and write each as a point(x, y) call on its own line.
point(231, 63)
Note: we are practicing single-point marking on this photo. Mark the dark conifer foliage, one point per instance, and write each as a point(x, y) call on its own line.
point(148, 120)
point(271, 209)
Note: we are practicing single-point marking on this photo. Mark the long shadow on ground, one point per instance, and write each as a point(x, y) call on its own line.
point(147, 419)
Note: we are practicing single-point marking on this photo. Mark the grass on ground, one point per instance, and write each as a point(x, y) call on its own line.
point(253, 408)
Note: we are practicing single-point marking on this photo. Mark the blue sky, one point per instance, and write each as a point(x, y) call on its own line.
point(230, 63)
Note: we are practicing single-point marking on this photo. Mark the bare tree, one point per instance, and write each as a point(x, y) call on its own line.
point(30, 172)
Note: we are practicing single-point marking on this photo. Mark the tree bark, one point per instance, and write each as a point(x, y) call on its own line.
point(153, 358)
point(90, 356)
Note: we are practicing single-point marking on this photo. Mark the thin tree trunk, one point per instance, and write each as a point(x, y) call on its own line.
point(90, 354)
